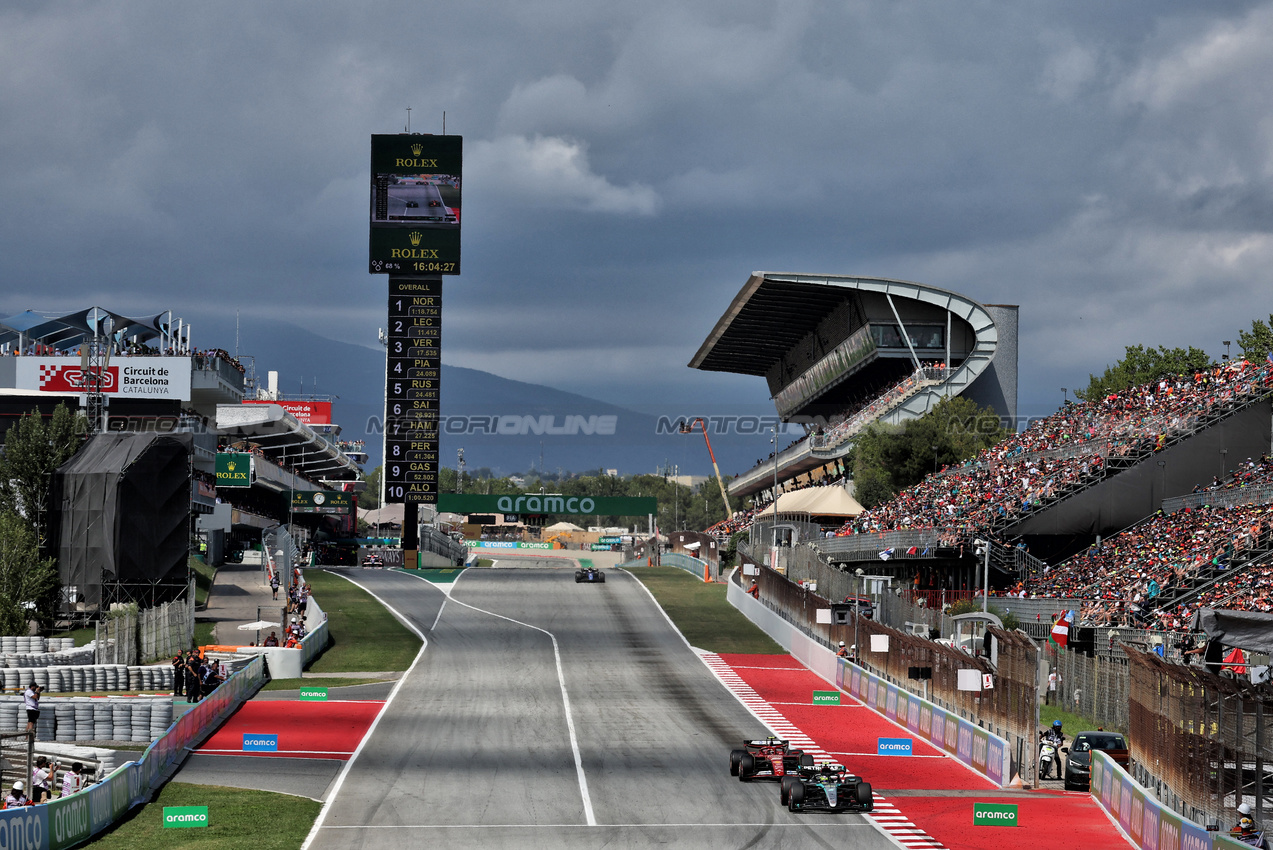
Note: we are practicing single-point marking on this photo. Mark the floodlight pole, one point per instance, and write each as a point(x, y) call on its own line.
point(689, 429)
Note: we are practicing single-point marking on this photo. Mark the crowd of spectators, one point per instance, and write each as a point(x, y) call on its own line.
point(1124, 576)
point(1018, 474)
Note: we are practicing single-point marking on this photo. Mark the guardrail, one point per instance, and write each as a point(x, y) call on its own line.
point(315, 641)
point(68, 821)
point(693, 566)
point(1148, 823)
point(985, 752)
point(1256, 495)
point(873, 543)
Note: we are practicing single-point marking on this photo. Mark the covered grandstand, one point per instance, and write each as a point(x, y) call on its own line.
point(151, 380)
point(840, 352)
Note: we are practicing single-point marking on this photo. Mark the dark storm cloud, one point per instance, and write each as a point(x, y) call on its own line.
point(1105, 166)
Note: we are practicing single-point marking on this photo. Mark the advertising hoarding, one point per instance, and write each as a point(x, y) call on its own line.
point(234, 469)
point(305, 412)
point(125, 377)
point(415, 204)
point(467, 503)
point(322, 502)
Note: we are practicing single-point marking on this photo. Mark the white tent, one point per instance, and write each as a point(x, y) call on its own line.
point(816, 501)
point(383, 515)
point(561, 527)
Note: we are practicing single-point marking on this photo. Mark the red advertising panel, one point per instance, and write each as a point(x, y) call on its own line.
point(306, 412)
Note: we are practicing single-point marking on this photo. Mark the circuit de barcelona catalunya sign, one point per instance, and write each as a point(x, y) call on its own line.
point(126, 377)
point(548, 504)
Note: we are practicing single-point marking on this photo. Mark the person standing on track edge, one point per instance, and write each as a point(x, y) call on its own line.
point(754, 590)
point(179, 674)
point(192, 679)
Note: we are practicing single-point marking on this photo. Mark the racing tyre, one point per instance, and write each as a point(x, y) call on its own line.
point(864, 796)
point(578, 577)
point(795, 797)
point(601, 577)
point(806, 760)
point(784, 790)
point(735, 756)
point(746, 767)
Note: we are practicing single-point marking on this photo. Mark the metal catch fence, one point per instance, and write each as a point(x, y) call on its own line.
point(17, 751)
point(1009, 709)
point(1096, 688)
point(1201, 741)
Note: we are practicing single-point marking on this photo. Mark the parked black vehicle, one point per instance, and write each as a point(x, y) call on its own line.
point(1078, 761)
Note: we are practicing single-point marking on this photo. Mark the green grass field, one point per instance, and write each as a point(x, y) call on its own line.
point(81, 636)
point(364, 637)
point(319, 682)
point(1071, 722)
point(236, 819)
point(701, 613)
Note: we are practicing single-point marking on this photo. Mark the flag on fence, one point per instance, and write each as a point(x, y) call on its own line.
point(886, 554)
point(1061, 629)
point(1236, 662)
point(914, 550)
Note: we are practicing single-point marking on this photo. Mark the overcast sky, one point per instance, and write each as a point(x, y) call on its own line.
point(1107, 166)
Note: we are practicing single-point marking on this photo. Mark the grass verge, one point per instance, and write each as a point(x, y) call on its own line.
point(1072, 722)
point(203, 633)
point(234, 821)
point(81, 636)
point(701, 613)
point(320, 682)
point(364, 636)
point(484, 562)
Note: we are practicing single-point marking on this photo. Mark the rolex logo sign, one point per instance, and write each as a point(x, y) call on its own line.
point(417, 149)
point(234, 469)
point(415, 236)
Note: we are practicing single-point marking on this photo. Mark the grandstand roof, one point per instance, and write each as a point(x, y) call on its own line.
point(774, 311)
point(282, 437)
point(817, 501)
point(69, 330)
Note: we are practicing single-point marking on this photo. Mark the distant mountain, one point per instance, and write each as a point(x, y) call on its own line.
point(501, 424)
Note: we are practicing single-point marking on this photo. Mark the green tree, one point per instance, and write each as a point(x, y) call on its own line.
point(369, 499)
point(1257, 344)
point(1141, 364)
point(33, 448)
point(890, 458)
point(28, 583)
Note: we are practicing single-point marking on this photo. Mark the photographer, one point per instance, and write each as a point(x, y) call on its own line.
point(31, 698)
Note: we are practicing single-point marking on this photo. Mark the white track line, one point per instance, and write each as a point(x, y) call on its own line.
point(565, 699)
point(822, 825)
point(886, 816)
point(340, 780)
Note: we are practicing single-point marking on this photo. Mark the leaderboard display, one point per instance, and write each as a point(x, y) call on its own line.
point(412, 390)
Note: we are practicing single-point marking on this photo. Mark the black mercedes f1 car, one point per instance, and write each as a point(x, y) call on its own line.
point(830, 788)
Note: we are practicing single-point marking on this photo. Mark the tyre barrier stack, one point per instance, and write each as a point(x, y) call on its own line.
point(33, 643)
point(68, 719)
point(90, 677)
point(61, 658)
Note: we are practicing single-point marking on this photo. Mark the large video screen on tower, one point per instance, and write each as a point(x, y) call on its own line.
point(415, 204)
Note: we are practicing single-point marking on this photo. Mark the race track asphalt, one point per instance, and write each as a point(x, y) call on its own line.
point(476, 749)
